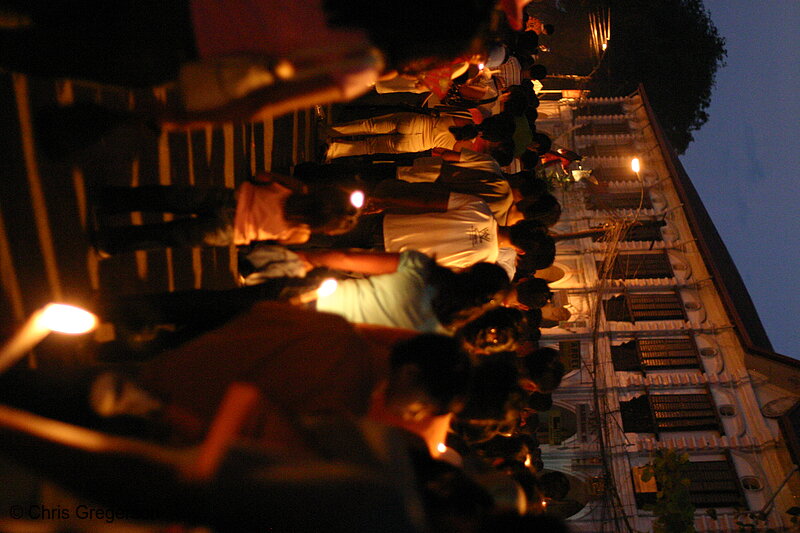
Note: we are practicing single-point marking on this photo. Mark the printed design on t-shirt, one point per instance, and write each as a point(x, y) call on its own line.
point(479, 235)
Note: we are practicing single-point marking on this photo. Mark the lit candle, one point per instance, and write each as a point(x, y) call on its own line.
point(357, 199)
point(326, 288)
point(635, 165)
point(52, 317)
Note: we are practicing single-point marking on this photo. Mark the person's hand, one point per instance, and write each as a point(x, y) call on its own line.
point(305, 260)
point(372, 207)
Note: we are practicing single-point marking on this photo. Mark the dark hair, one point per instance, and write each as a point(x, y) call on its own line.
point(544, 142)
point(447, 493)
point(325, 208)
point(513, 521)
point(464, 133)
point(535, 72)
point(498, 128)
point(540, 402)
point(517, 101)
point(459, 292)
point(498, 329)
point(533, 292)
point(554, 485)
point(531, 187)
point(403, 36)
point(444, 369)
point(503, 152)
point(529, 159)
point(534, 318)
point(549, 29)
point(545, 209)
point(495, 389)
point(546, 373)
point(527, 43)
point(543, 257)
point(529, 235)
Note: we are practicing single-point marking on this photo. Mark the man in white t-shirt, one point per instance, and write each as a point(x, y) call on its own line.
point(465, 234)
point(466, 172)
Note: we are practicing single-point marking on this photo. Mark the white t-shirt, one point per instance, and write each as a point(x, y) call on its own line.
point(463, 235)
point(492, 187)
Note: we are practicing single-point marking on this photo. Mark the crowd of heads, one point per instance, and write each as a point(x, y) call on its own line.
point(489, 372)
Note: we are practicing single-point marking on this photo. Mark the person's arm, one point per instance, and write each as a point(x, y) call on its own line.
point(447, 155)
point(352, 260)
point(289, 182)
point(402, 198)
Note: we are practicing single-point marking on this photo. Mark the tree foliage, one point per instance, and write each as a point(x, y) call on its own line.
point(673, 509)
point(673, 48)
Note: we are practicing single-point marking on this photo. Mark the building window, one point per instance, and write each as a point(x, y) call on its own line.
point(608, 150)
point(570, 354)
point(727, 410)
point(619, 200)
point(655, 354)
point(659, 413)
point(604, 174)
point(644, 307)
point(604, 128)
point(600, 109)
point(639, 266)
point(684, 412)
point(647, 231)
point(752, 483)
point(712, 484)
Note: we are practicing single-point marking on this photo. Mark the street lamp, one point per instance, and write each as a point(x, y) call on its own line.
point(60, 318)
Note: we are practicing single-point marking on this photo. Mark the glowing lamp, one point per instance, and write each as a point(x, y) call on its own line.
point(357, 199)
point(53, 317)
point(635, 165)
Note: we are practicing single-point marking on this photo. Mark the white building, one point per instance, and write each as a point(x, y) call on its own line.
point(664, 348)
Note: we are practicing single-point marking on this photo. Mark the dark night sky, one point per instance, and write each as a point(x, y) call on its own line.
point(745, 161)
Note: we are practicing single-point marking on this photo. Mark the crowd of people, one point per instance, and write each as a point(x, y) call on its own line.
point(434, 325)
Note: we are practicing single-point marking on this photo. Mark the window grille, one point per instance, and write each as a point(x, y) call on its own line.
point(604, 128)
point(640, 266)
point(570, 354)
point(684, 412)
point(608, 150)
point(714, 484)
point(644, 307)
point(656, 354)
point(620, 200)
point(600, 109)
point(657, 413)
point(604, 175)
